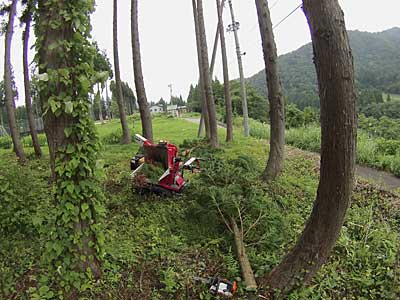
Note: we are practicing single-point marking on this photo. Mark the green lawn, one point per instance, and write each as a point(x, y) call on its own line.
point(154, 246)
point(392, 96)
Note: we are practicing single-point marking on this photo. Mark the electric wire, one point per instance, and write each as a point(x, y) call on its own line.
point(291, 13)
point(271, 8)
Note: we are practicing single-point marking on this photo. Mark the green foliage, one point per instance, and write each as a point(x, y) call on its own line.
point(112, 138)
point(5, 142)
point(27, 140)
point(74, 237)
point(24, 196)
point(293, 117)
point(128, 97)
point(153, 247)
point(376, 63)
point(257, 105)
point(384, 127)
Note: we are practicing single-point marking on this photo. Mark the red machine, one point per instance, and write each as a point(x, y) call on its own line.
point(166, 155)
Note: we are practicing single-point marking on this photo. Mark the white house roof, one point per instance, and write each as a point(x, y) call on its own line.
point(172, 107)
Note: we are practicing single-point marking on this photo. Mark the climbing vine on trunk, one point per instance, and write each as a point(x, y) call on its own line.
point(65, 58)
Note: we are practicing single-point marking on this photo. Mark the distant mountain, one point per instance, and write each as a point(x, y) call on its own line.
point(376, 59)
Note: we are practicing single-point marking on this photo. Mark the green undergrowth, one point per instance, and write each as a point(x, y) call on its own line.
point(155, 246)
point(375, 152)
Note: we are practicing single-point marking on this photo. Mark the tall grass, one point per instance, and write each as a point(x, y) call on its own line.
point(371, 151)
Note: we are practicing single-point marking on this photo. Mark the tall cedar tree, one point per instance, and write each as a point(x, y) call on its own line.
point(335, 72)
point(8, 86)
point(126, 136)
point(64, 51)
point(228, 99)
point(27, 19)
point(207, 82)
point(275, 96)
point(213, 58)
point(204, 115)
point(147, 127)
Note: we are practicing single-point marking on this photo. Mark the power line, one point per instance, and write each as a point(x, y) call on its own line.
point(273, 5)
point(291, 13)
point(256, 25)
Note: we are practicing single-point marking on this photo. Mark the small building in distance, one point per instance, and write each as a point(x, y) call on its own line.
point(176, 111)
point(156, 109)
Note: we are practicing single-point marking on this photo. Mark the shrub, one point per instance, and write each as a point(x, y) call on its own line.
point(308, 138)
point(112, 138)
point(395, 165)
point(5, 142)
point(388, 147)
point(27, 140)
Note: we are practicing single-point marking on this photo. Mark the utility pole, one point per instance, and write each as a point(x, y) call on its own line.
point(170, 93)
point(234, 27)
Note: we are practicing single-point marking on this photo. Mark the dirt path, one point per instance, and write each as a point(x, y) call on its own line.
point(384, 180)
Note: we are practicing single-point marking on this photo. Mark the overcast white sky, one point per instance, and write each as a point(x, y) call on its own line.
point(168, 42)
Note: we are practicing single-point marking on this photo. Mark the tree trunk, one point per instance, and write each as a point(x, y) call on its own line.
point(277, 106)
point(243, 92)
point(1, 117)
point(227, 87)
point(144, 110)
point(71, 138)
point(27, 86)
point(126, 135)
point(335, 72)
point(108, 103)
point(204, 115)
point(247, 271)
point(212, 64)
point(100, 108)
point(207, 82)
point(8, 88)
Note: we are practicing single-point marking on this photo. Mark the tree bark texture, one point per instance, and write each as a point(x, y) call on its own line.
point(8, 86)
point(227, 87)
point(275, 95)
point(204, 115)
point(27, 86)
point(126, 136)
point(243, 92)
point(212, 65)
point(335, 72)
point(207, 82)
point(145, 115)
point(50, 60)
point(247, 271)
point(100, 108)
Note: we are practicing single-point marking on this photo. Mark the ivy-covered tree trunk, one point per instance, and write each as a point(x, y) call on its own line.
point(126, 135)
point(276, 102)
point(8, 86)
point(145, 116)
point(204, 114)
point(335, 72)
point(27, 85)
point(65, 60)
point(227, 86)
point(207, 81)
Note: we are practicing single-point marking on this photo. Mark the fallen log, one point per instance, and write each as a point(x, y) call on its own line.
point(247, 271)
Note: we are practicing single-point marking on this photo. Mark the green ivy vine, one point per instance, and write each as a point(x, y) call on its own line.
point(74, 228)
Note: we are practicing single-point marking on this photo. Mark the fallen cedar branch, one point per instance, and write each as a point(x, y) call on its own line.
point(247, 271)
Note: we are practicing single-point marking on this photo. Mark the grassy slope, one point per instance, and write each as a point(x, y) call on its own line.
point(154, 246)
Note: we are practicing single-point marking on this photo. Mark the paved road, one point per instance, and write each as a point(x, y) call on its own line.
point(383, 179)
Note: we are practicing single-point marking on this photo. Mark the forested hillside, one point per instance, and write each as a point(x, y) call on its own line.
point(376, 59)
